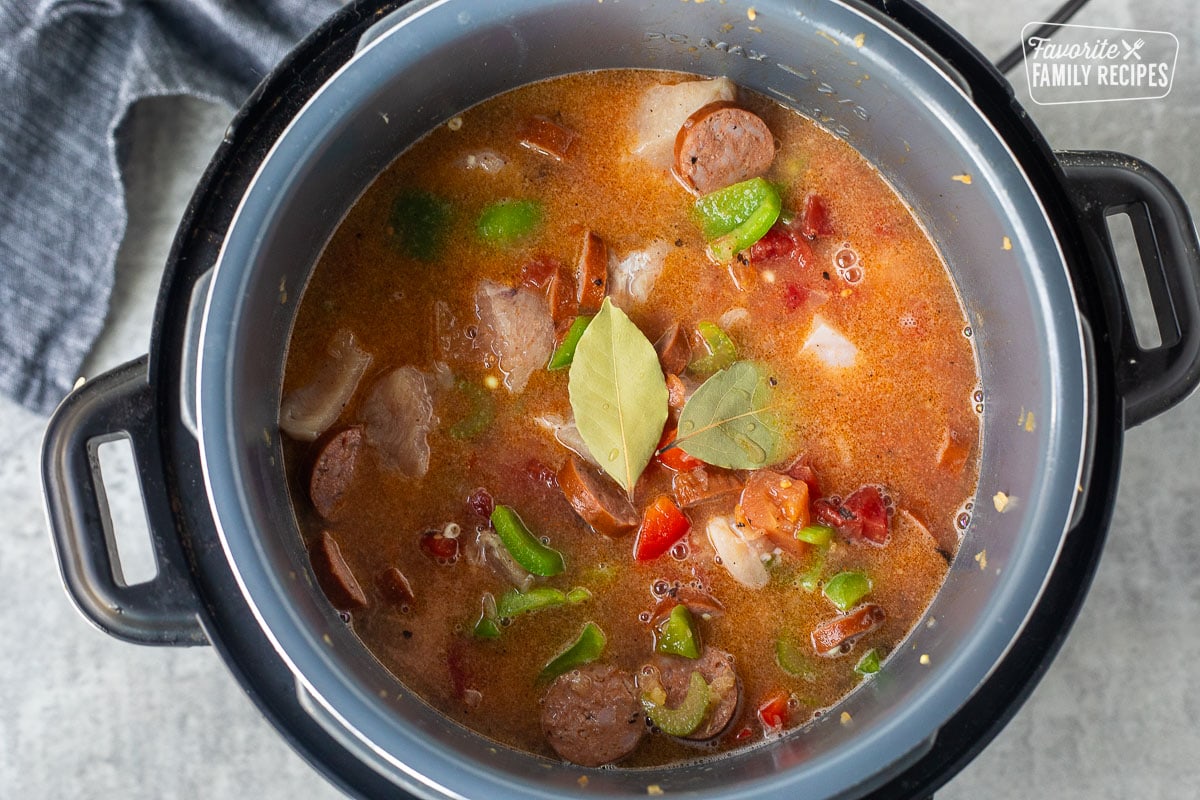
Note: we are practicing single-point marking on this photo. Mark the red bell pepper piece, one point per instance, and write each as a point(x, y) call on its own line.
point(663, 524)
point(773, 712)
point(674, 458)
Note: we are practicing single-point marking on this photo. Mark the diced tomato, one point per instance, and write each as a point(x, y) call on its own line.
point(675, 458)
point(743, 734)
point(440, 548)
point(794, 296)
point(481, 503)
point(776, 505)
point(802, 470)
point(781, 246)
point(860, 517)
point(663, 524)
point(538, 272)
point(773, 711)
point(814, 217)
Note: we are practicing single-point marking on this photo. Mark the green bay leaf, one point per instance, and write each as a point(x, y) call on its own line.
point(618, 395)
point(729, 421)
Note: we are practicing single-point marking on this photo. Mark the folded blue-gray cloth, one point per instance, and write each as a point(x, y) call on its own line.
point(69, 71)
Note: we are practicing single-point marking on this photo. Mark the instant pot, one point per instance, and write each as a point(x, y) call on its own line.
point(1023, 230)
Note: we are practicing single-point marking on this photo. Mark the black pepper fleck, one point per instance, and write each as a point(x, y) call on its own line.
point(407, 634)
point(825, 275)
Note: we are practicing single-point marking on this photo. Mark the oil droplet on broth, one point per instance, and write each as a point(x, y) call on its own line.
point(613, 454)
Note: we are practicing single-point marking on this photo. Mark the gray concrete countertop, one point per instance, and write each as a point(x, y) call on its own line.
point(1116, 716)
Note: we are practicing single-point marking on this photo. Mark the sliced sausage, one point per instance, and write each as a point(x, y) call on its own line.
point(597, 499)
point(395, 588)
point(699, 602)
point(674, 351)
point(592, 271)
point(592, 715)
point(333, 471)
point(703, 484)
point(334, 575)
point(720, 145)
point(716, 667)
point(545, 136)
point(561, 295)
point(835, 637)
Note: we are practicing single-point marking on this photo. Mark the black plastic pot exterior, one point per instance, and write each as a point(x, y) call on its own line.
point(198, 596)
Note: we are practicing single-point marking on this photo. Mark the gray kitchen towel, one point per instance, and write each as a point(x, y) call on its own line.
point(69, 70)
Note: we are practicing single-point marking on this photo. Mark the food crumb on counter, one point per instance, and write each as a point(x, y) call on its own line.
point(454, 123)
point(1000, 501)
point(1006, 243)
point(583, 779)
point(981, 558)
point(846, 718)
point(751, 13)
point(963, 178)
point(860, 40)
point(654, 788)
point(924, 659)
point(825, 35)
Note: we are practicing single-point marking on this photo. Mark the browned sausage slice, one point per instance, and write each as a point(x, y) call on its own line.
point(836, 636)
point(720, 145)
point(596, 499)
point(395, 587)
point(674, 351)
point(334, 575)
point(702, 484)
point(593, 273)
point(561, 294)
point(545, 136)
point(592, 715)
point(333, 472)
point(716, 667)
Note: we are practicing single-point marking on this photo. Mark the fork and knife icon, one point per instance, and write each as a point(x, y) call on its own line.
point(1132, 49)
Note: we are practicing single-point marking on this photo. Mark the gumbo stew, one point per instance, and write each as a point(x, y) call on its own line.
point(631, 417)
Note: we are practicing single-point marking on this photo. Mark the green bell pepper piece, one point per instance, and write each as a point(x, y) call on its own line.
point(420, 221)
point(481, 409)
point(869, 663)
point(810, 579)
point(820, 535)
point(721, 350)
point(687, 717)
point(791, 658)
point(847, 588)
point(514, 603)
point(737, 216)
point(564, 354)
point(508, 221)
point(586, 648)
point(677, 634)
point(523, 546)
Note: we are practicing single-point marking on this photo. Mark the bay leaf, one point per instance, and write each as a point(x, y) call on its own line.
point(730, 421)
point(618, 394)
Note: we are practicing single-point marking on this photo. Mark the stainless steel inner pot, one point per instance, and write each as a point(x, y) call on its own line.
point(862, 78)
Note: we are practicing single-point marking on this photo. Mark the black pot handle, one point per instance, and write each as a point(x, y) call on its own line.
point(114, 405)
point(1103, 183)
